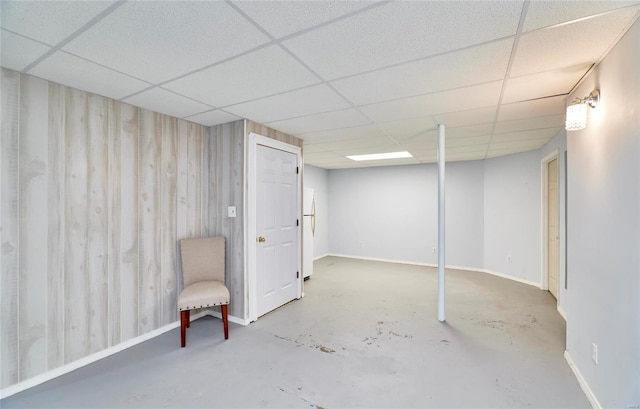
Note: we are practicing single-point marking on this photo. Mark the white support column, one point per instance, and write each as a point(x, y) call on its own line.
point(441, 262)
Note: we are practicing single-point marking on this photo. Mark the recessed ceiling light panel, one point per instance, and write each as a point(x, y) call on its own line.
point(379, 156)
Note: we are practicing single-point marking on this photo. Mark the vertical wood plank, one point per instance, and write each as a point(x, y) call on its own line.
point(56, 220)
point(32, 208)
point(150, 243)
point(76, 297)
point(114, 222)
point(9, 126)
point(192, 183)
point(181, 193)
point(97, 238)
point(168, 219)
point(129, 291)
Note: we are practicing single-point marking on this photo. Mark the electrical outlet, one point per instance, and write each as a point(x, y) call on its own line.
point(509, 258)
point(435, 250)
point(594, 353)
point(231, 211)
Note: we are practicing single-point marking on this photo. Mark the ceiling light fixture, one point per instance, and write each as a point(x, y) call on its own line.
point(379, 156)
point(577, 111)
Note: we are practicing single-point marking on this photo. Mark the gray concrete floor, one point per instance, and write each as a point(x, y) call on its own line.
point(365, 335)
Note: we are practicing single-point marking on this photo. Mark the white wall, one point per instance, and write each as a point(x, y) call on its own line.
point(390, 213)
point(318, 180)
point(512, 215)
point(603, 304)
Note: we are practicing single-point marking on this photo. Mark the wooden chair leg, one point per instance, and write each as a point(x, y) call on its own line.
point(225, 320)
point(184, 320)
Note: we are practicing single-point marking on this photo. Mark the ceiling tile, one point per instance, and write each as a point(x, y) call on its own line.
point(49, 21)
point(466, 118)
point(494, 153)
point(157, 41)
point(458, 132)
point(302, 102)
point(87, 76)
point(531, 109)
point(17, 52)
point(356, 132)
point(544, 13)
point(213, 117)
point(525, 145)
point(407, 128)
point(463, 156)
point(166, 102)
point(454, 70)
point(579, 43)
point(268, 71)
point(461, 99)
point(403, 31)
point(330, 120)
point(365, 146)
point(541, 122)
point(543, 84)
point(281, 18)
point(545, 134)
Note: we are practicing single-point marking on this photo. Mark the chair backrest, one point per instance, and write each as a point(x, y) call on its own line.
point(202, 259)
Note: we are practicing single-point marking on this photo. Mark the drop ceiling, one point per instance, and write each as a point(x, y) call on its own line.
point(347, 77)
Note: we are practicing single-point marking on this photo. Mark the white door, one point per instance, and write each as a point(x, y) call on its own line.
point(276, 228)
point(552, 226)
point(308, 230)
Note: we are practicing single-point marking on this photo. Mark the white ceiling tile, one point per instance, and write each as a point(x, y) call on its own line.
point(478, 96)
point(264, 72)
point(544, 13)
point(466, 118)
point(157, 41)
point(494, 153)
point(459, 69)
point(213, 117)
point(407, 128)
point(583, 42)
point(524, 145)
point(87, 76)
point(545, 134)
point(543, 84)
point(464, 156)
point(457, 132)
point(365, 146)
point(357, 132)
point(302, 102)
point(470, 142)
point(49, 21)
point(281, 18)
point(531, 109)
point(541, 122)
point(403, 31)
point(166, 102)
point(329, 120)
point(17, 52)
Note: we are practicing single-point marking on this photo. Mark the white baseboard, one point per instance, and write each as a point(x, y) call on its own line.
point(583, 383)
point(54, 373)
point(479, 270)
point(518, 279)
point(562, 313)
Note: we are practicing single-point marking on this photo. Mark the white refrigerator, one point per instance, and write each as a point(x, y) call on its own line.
point(308, 230)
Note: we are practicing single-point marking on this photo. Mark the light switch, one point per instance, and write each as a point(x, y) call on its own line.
point(231, 211)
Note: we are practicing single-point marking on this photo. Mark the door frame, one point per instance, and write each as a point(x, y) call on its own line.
point(544, 164)
point(251, 272)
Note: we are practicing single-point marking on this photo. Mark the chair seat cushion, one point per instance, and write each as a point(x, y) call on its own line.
point(203, 294)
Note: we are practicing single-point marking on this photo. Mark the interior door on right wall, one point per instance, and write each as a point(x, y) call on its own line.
point(552, 226)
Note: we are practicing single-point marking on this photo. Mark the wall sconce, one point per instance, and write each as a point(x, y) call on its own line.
point(577, 111)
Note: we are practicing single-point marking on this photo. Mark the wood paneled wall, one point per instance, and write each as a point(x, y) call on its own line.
point(95, 196)
point(226, 188)
point(273, 134)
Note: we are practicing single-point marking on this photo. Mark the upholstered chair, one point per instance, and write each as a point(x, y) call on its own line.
point(203, 271)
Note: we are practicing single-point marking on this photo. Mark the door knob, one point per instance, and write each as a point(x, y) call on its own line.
point(261, 239)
